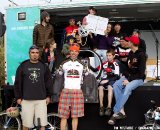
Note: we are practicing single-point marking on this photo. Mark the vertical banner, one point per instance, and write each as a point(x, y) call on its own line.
point(20, 24)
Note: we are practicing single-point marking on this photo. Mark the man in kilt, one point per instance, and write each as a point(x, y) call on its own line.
point(71, 97)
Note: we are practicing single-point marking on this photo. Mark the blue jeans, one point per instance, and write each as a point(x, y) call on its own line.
point(122, 92)
point(102, 54)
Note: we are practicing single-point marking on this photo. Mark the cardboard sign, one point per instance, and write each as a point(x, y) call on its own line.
point(96, 24)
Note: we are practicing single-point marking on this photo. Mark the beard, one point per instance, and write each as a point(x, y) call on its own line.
point(46, 20)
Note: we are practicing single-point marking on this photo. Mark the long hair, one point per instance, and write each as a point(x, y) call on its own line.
point(111, 33)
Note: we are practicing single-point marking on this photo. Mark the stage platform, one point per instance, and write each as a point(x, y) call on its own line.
point(136, 107)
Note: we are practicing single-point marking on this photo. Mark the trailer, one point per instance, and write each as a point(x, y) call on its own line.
point(20, 22)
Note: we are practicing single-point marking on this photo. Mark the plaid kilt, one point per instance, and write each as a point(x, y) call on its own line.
point(71, 100)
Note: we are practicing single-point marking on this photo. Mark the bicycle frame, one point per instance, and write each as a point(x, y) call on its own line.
point(151, 118)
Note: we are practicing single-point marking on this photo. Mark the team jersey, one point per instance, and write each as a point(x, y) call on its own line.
point(71, 30)
point(110, 70)
point(122, 52)
point(73, 73)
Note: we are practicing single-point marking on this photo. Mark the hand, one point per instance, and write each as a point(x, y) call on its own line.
point(48, 100)
point(46, 64)
point(85, 23)
point(90, 34)
point(105, 32)
point(19, 101)
point(60, 72)
point(125, 82)
point(122, 76)
point(104, 81)
point(94, 49)
point(67, 56)
point(9, 109)
point(87, 73)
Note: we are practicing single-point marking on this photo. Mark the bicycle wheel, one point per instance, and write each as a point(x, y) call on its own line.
point(9, 123)
point(54, 122)
point(98, 74)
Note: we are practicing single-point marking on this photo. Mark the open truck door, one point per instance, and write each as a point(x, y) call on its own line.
point(2, 25)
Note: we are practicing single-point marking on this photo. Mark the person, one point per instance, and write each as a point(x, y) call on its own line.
point(131, 80)
point(117, 30)
point(43, 31)
point(70, 31)
point(49, 54)
point(71, 97)
point(91, 11)
point(79, 40)
point(142, 44)
point(87, 41)
point(110, 75)
point(33, 88)
point(102, 43)
point(122, 52)
point(117, 33)
point(65, 50)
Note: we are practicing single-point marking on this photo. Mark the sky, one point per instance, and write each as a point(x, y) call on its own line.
point(3, 3)
point(6, 3)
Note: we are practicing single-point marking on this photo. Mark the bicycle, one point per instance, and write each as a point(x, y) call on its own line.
point(12, 121)
point(151, 118)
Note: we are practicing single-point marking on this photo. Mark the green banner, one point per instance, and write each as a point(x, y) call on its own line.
point(20, 23)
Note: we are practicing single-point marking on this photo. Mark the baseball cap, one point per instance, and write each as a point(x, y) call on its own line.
point(33, 47)
point(74, 47)
point(133, 39)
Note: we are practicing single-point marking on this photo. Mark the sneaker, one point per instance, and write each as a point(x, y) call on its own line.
point(108, 111)
point(101, 111)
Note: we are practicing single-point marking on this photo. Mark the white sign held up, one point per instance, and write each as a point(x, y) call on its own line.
point(96, 24)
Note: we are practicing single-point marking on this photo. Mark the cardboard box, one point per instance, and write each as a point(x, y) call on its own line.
point(151, 62)
point(151, 69)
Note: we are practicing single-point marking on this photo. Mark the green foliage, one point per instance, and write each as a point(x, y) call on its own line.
point(2, 63)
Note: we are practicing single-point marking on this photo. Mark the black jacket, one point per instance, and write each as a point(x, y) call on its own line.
point(142, 45)
point(89, 88)
point(136, 65)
